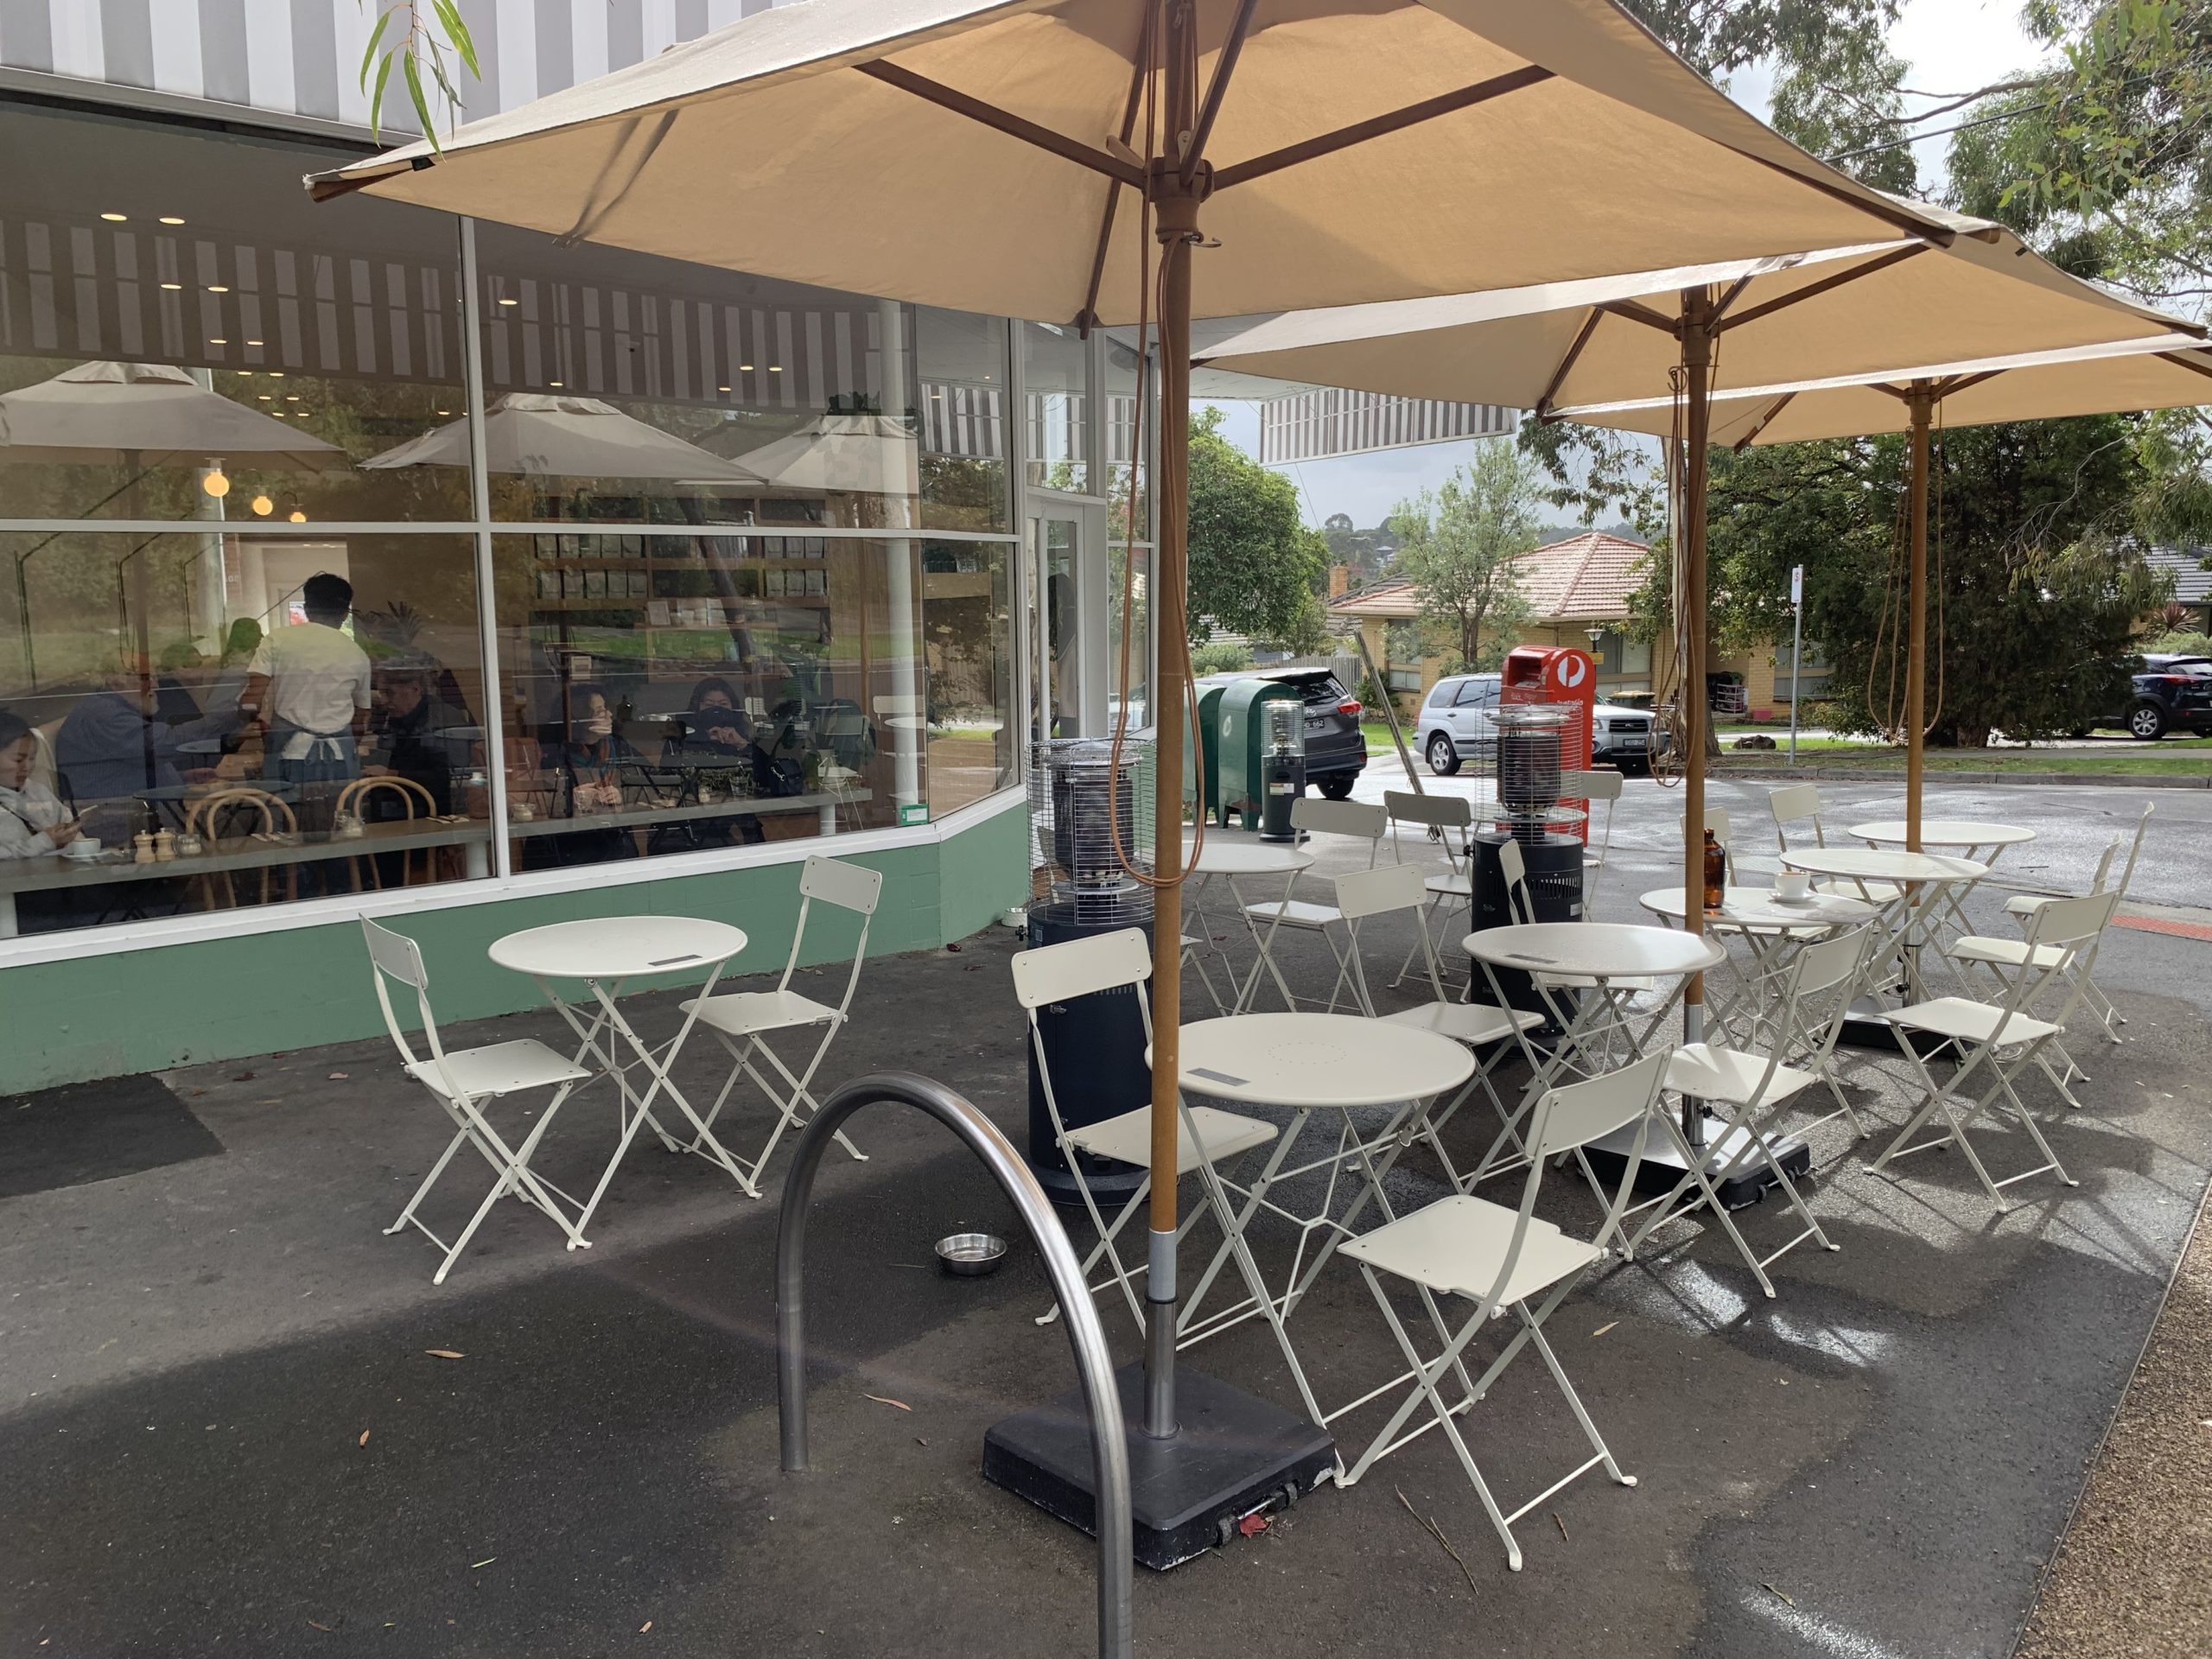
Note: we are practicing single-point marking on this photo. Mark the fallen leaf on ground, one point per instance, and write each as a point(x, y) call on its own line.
point(880, 1401)
point(340, 1077)
point(245, 1077)
point(317, 1624)
point(441, 1353)
point(918, 1440)
point(1562, 1525)
point(643, 1628)
point(1606, 1327)
point(1784, 1594)
point(1252, 1525)
point(486, 1561)
point(364, 1440)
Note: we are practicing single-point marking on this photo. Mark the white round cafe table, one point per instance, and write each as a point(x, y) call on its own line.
point(1888, 864)
point(1966, 835)
point(1908, 921)
point(1599, 950)
point(602, 952)
point(1232, 857)
point(1749, 908)
point(1311, 1063)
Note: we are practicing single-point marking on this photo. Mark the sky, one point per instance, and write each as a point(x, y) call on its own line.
point(1952, 47)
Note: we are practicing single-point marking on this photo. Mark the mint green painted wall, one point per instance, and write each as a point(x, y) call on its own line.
point(222, 999)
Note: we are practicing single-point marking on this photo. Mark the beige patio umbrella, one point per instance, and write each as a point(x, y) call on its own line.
point(1665, 343)
point(1287, 154)
point(543, 435)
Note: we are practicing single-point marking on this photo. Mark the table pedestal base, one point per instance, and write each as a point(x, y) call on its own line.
point(1662, 1168)
point(1236, 1455)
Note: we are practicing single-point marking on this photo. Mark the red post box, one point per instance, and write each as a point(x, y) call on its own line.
point(1558, 674)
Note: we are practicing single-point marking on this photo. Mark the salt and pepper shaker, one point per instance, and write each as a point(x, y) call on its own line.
point(164, 846)
point(142, 846)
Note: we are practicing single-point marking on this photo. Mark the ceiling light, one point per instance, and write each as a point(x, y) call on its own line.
point(276, 374)
point(215, 484)
point(264, 397)
point(298, 518)
point(775, 368)
point(217, 288)
point(172, 286)
point(262, 507)
point(116, 219)
point(291, 396)
point(218, 342)
point(553, 383)
point(245, 374)
point(253, 342)
point(722, 388)
point(745, 368)
point(275, 414)
point(445, 411)
point(171, 218)
point(506, 302)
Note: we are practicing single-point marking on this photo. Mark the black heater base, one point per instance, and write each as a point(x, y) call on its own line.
point(1864, 1027)
point(1236, 1455)
point(1662, 1168)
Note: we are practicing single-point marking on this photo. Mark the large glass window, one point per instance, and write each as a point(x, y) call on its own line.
point(198, 722)
point(1056, 396)
point(968, 638)
point(184, 335)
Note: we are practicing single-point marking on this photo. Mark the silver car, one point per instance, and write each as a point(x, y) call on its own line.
point(1459, 719)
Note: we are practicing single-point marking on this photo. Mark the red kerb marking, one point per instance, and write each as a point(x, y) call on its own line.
point(2159, 924)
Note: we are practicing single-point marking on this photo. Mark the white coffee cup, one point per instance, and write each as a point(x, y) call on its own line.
point(1793, 885)
point(83, 847)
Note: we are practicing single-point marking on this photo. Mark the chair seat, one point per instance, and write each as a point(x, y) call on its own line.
point(1473, 1023)
point(1874, 893)
point(742, 1012)
point(1707, 1071)
point(499, 1069)
point(1127, 1139)
point(1976, 1022)
point(2011, 953)
point(1296, 912)
point(1461, 885)
point(1457, 1244)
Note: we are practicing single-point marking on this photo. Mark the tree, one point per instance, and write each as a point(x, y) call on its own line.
point(1253, 563)
point(1458, 548)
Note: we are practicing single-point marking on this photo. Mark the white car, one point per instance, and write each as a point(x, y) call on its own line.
point(1459, 720)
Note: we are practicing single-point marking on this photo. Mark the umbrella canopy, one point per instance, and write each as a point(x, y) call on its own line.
point(541, 435)
point(147, 415)
point(965, 155)
point(849, 454)
point(1564, 347)
point(2163, 371)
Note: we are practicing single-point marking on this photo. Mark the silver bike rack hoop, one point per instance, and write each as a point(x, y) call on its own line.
point(1095, 1367)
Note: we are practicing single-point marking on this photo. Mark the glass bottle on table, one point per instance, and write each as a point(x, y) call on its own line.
point(1716, 874)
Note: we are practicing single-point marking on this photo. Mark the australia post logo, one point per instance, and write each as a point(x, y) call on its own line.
point(1570, 669)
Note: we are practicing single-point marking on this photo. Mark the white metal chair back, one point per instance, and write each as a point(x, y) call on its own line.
point(1361, 820)
point(1519, 904)
point(1599, 783)
point(1716, 819)
point(1802, 1027)
point(1795, 804)
point(1382, 891)
point(846, 886)
point(2135, 850)
point(1059, 973)
point(1450, 816)
point(1568, 1119)
point(395, 957)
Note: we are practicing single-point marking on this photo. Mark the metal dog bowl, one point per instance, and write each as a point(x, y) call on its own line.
point(970, 1255)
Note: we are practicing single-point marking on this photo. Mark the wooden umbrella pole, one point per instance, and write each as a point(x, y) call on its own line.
point(1922, 403)
point(1697, 374)
point(1175, 205)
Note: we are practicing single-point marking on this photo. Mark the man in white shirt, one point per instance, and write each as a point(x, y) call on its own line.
point(307, 687)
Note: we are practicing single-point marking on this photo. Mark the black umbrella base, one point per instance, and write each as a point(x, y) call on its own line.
point(1662, 1168)
point(1865, 1027)
point(1236, 1456)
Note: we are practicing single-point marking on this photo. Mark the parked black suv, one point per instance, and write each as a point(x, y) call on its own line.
point(2167, 692)
point(1336, 749)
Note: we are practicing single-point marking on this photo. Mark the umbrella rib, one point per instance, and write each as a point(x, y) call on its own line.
point(1941, 236)
point(1835, 279)
point(601, 201)
point(1378, 126)
point(1005, 121)
point(1231, 48)
point(1567, 364)
point(1642, 314)
point(1140, 65)
point(2179, 361)
point(1764, 421)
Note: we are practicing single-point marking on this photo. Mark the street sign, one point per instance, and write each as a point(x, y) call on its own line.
point(1796, 584)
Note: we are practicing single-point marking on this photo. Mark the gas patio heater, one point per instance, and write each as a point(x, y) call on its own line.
point(1024, 158)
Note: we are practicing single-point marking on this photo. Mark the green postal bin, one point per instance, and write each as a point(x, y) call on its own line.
point(1240, 727)
point(1202, 756)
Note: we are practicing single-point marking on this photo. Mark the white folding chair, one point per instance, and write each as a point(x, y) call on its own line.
point(463, 1081)
point(1360, 820)
point(1500, 1258)
point(1754, 1089)
point(1207, 1136)
point(1391, 888)
point(1799, 803)
point(2026, 904)
point(744, 1020)
point(1601, 784)
point(1447, 820)
point(1983, 1034)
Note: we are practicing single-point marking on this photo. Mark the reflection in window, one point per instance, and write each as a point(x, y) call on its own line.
point(1129, 571)
point(183, 335)
point(968, 639)
point(1055, 392)
point(1124, 435)
point(265, 718)
point(673, 693)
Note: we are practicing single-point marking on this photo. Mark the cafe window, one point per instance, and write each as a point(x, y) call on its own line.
point(202, 721)
point(184, 335)
point(1056, 399)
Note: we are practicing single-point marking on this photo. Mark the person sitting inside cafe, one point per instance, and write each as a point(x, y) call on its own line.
point(33, 820)
point(413, 734)
point(715, 727)
point(307, 687)
point(591, 759)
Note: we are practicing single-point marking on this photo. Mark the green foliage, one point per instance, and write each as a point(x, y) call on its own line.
point(1222, 657)
point(1458, 546)
point(1308, 634)
point(443, 44)
point(2035, 598)
point(1253, 563)
point(2184, 643)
